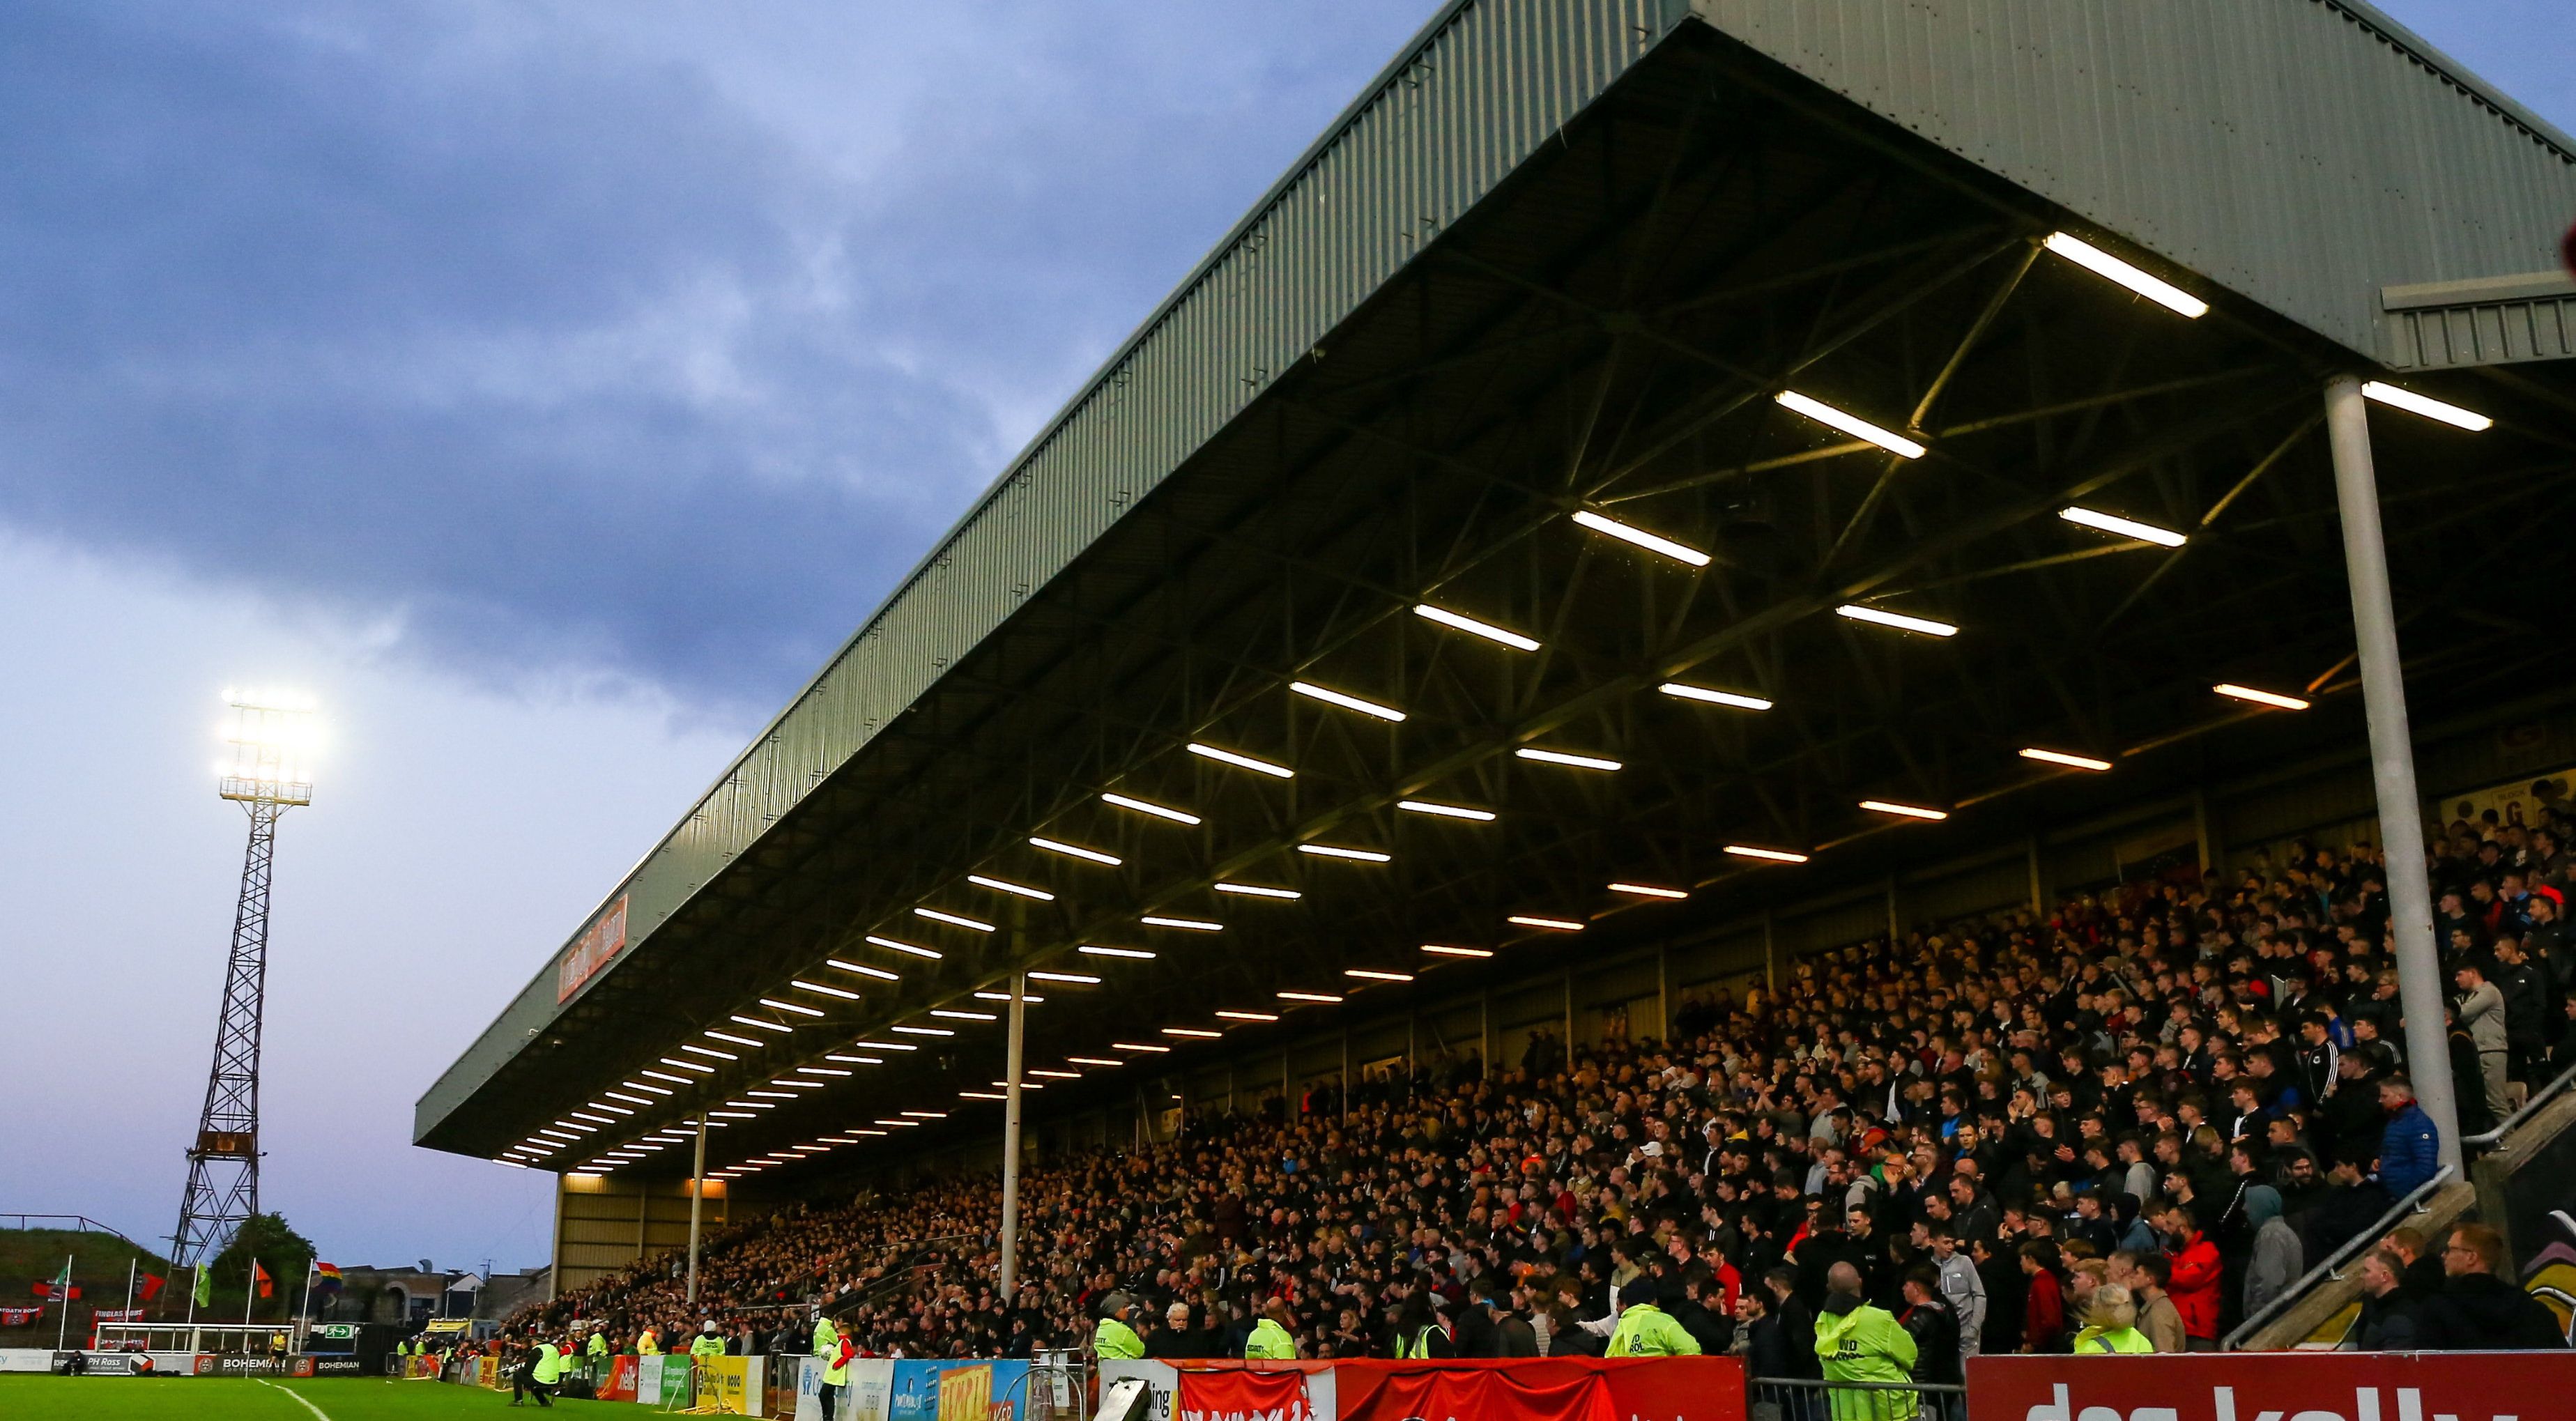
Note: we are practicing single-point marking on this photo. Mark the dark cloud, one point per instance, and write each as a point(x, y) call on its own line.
point(580, 346)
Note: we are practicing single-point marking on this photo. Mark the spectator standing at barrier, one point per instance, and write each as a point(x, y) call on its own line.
point(2526, 1009)
point(1113, 1340)
point(2390, 1313)
point(2409, 1147)
point(2111, 1325)
point(2478, 1311)
point(2276, 1262)
point(1857, 1341)
point(1938, 1357)
point(1797, 1322)
point(1961, 1288)
point(2194, 1279)
point(2043, 1309)
point(1513, 1335)
point(2480, 1012)
point(1173, 1341)
point(2424, 1272)
point(2145, 1277)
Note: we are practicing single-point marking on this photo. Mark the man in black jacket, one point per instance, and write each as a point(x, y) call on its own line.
point(2476, 1311)
point(2390, 1318)
point(2526, 1011)
point(1935, 1329)
point(1797, 1324)
point(1508, 1334)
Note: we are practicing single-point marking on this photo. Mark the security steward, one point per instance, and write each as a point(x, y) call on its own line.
point(836, 1374)
point(1646, 1330)
point(1270, 1340)
point(827, 1338)
point(1114, 1340)
point(540, 1376)
point(708, 1344)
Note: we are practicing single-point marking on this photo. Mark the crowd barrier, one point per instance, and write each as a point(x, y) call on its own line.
point(2245, 1386)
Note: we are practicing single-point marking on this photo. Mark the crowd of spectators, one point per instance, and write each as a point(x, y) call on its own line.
point(2132, 1122)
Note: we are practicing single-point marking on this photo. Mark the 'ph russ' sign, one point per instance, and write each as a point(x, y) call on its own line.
point(2274, 1386)
point(590, 952)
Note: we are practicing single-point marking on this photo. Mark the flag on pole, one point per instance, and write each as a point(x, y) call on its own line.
point(327, 1276)
point(150, 1286)
point(260, 1276)
point(204, 1296)
point(61, 1286)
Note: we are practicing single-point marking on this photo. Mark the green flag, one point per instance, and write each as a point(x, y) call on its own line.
point(205, 1287)
point(63, 1280)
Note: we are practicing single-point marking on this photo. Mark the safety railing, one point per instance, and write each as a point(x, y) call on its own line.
point(2539, 1098)
point(2368, 1238)
point(70, 1223)
point(1800, 1399)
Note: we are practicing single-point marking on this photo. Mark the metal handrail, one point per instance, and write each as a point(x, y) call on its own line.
point(2538, 1100)
point(1822, 1384)
point(2369, 1237)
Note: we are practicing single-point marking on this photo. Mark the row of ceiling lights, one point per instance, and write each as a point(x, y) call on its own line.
point(599, 1114)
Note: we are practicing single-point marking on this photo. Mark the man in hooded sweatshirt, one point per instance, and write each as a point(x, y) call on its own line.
point(2278, 1260)
point(2476, 1311)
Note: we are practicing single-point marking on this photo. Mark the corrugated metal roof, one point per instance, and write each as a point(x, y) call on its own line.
point(2304, 153)
point(1482, 86)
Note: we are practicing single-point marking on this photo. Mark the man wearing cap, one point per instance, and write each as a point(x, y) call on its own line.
point(707, 1345)
point(1114, 1340)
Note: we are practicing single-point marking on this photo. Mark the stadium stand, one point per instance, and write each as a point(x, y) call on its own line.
point(2166, 1098)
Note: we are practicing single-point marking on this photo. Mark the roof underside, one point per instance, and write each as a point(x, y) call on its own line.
point(1587, 317)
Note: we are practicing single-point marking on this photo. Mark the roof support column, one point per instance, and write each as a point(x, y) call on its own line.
point(1011, 1139)
point(2392, 762)
point(1663, 995)
point(697, 1203)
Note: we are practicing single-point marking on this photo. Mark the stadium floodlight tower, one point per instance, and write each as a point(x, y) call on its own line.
point(267, 772)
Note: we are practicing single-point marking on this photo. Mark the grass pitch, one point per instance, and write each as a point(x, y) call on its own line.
point(42, 1398)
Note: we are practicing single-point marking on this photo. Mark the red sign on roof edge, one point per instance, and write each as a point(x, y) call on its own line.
point(598, 943)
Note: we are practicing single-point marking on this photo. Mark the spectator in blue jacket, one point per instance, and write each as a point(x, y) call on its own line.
point(2409, 1149)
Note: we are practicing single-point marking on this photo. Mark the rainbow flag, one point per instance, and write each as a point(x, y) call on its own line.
point(326, 1276)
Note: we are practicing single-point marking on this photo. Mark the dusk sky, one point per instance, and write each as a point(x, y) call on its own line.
point(547, 389)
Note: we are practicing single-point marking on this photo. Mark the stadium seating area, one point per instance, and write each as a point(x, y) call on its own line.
point(2174, 1087)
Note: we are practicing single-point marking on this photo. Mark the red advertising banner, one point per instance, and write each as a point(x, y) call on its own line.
point(1548, 1389)
point(1485, 1393)
point(2274, 1386)
point(602, 940)
point(1243, 1396)
point(619, 1384)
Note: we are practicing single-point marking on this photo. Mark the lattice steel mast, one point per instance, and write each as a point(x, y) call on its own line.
point(267, 775)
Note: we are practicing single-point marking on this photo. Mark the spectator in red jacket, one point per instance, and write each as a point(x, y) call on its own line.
point(2043, 1316)
point(2196, 1274)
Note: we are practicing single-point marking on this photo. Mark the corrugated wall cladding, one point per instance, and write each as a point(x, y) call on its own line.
point(2304, 153)
point(1474, 95)
point(2480, 333)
